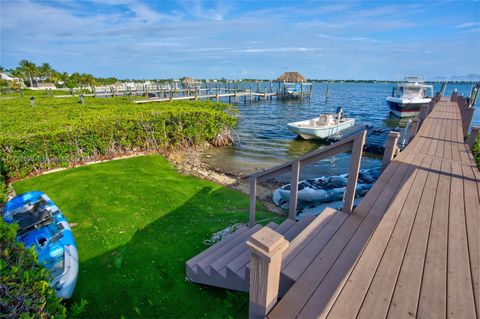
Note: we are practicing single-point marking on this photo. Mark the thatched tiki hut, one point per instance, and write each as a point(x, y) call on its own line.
point(188, 81)
point(291, 77)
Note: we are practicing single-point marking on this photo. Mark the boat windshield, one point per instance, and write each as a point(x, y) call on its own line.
point(412, 91)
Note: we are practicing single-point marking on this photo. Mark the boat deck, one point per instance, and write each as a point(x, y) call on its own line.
point(411, 248)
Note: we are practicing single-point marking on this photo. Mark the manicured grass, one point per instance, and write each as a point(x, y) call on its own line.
point(136, 222)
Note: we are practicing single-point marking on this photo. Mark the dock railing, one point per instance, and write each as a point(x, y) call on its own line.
point(352, 143)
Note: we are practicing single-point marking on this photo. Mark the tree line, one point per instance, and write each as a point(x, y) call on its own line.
point(32, 74)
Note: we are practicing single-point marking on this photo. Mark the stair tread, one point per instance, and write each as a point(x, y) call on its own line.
point(297, 228)
point(292, 232)
point(215, 247)
point(243, 259)
point(285, 225)
point(236, 251)
point(205, 262)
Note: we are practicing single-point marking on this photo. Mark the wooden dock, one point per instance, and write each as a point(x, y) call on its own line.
point(235, 91)
point(411, 248)
point(236, 96)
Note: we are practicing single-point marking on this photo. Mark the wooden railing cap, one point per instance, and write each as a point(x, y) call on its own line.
point(267, 242)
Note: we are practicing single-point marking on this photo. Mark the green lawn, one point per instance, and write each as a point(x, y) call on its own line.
point(136, 222)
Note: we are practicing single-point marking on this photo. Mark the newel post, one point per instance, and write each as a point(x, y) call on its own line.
point(266, 247)
point(357, 151)
point(390, 148)
point(473, 136)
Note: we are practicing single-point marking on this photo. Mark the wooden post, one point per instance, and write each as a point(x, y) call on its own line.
point(414, 129)
point(253, 200)
point(473, 136)
point(390, 148)
point(355, 162)
point(266, 247)
point(467, 118)
point(216, 94)
point(82, 101)
point(171, 94)
point(326, 93)
point(295, 171)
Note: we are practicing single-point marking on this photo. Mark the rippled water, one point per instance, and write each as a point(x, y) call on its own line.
point(263, 140)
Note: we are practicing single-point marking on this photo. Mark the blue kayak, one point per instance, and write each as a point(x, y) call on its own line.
point(43, 226)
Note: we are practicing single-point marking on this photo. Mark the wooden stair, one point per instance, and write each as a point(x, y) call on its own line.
point(227, 263)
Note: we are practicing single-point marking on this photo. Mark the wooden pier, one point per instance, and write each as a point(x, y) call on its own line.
point(233, 91)
point(410, 249)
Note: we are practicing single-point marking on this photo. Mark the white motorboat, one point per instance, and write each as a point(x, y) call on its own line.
point(408, 97)
point(323, 126)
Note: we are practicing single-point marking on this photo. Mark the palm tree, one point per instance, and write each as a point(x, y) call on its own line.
point(29, 69)
point(46, 70)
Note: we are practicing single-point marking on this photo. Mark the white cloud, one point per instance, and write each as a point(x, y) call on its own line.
point(468, 25)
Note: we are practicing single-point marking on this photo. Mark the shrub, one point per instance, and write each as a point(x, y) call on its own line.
point(58, 132)
point(24, 285)
point(476, 151)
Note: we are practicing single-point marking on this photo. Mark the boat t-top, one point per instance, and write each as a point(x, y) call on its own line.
point(323, 126)
point(409, 96)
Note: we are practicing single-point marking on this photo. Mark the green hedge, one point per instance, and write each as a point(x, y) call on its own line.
point(24, 285)
point(476, 151)
point(56, 132)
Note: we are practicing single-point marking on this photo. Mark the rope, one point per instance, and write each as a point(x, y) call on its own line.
point(220, 235)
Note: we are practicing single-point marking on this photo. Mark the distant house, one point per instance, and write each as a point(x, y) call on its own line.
point(11, 79)
point(44, 86)
point(291, 77)
point(6, 77)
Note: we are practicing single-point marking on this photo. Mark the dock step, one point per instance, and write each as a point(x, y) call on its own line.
point(227, 263)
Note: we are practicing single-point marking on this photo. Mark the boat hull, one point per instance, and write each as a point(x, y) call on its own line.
point(51, 237)
point(406, 109)
point(309, 133)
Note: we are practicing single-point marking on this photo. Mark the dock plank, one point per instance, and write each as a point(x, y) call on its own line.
point(433, 299)
point(407, 288)
point(460, 299)
point(377, 298)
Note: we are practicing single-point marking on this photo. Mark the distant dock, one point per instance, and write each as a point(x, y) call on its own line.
point(235, 91)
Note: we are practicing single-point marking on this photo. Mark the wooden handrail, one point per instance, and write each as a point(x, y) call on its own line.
point(354, 143)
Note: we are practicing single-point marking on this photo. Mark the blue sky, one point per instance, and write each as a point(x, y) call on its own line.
point(240, 39)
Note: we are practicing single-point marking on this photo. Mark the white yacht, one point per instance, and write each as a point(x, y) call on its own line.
point(407, 97)
point(323, 126)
